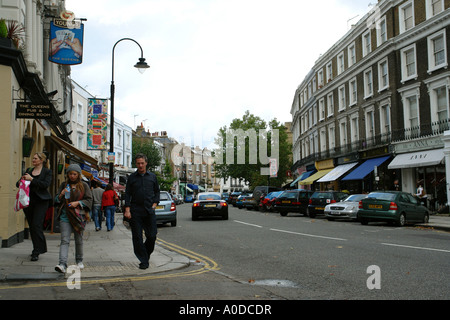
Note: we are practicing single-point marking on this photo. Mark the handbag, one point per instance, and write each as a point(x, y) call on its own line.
point(23, 196)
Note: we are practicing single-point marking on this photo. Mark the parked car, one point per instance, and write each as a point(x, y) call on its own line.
point(320, 199)
point(225, 196)
point(180, 199)
point(347, 208)
point(392, 206)
point(258, 193)
point(189, 198)
point(240, 199)
point(166, 210)
point(233, 197)
point(267, 202)
point(209, 204)
point(247, 201)
point(293, 201)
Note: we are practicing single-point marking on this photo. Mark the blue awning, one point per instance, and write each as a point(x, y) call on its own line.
point(364, 169)
point(303, 176)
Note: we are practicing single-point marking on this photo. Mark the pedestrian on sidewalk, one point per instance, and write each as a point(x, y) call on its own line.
point(97, 193)
point(141, 199)
point(109, 200)
point(40, 178)
point(75, 197)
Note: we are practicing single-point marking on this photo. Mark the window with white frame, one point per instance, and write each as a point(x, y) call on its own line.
point(80, 138)
point(370, 124)
point(367, 43)
point(342, 99)
point(329, 69)
point(80, 114)
point(343, 133)
point(340, 62)
point(354, 128)
point(408, 61)
point(309, 90)
point(385, 118)
point(320, 78)
point(383, 75)
point(411, 110)
point(353, 92)
point(434, 7)
point(322, 109)
point(406, 16)
point(330, 104)
point(437, 52)
point(323, 140)
point(314, 84)
point(381, 31)
point(368, 83)
point(439, 99)
point(351, 55)
point(332, 137)
point(314, 115)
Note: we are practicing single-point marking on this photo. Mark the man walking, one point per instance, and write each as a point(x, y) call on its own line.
point(141, 199)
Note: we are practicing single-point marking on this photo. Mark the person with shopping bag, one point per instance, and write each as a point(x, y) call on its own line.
point(40, 178)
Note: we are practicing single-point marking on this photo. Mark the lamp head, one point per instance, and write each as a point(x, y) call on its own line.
point(141, 65)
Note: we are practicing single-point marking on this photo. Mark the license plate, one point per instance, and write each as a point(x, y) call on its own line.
point(375, 206)
point(159, 207)
point(320, 208)
point(210, 205)
point(285, 202)
point(335, 213)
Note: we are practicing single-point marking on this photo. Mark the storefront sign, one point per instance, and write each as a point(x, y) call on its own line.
point(66, 42)
point(33, 111)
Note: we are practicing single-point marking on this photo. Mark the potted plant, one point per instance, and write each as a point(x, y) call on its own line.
point(10, 33)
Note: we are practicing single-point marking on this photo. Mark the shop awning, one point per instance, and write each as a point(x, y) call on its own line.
point(365, 168)
point(301, 177)
point(192, 186)
point(417, 159)
point(314, 177)
point(68, 148)
point(337, 172)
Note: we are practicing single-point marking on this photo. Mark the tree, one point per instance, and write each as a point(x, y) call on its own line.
point(248, 138)
point(146, 147)
point(166, 179)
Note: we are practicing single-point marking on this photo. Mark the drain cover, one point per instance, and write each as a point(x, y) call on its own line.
point(276, 283)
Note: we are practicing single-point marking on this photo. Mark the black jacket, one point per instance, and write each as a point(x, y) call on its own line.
point(142, 192)
point(40, 184)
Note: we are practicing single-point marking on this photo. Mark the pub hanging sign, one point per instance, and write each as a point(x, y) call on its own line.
point(26, 110)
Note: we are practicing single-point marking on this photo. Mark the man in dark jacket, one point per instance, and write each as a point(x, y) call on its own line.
point(141, 199)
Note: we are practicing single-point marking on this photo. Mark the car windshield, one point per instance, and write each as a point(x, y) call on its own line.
point(355, 197)
point(381, 196)
point(322, 195)
point(164, 196)
point(290, 195)
point(209, 197)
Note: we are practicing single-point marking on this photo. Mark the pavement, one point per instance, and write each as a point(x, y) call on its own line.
point(106, 254)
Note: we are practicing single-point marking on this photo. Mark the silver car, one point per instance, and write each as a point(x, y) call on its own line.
point(347, 208)
point(166, 210)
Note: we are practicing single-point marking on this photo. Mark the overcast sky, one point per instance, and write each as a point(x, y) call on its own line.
point(211, 60)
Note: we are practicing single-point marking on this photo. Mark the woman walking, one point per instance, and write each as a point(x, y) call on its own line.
point(75, 196)
point(109, 199)
point(40, 178)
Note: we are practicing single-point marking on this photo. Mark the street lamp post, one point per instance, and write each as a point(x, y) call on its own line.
point(141, 65)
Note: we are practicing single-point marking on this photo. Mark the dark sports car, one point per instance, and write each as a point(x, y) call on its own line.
point(209, 204)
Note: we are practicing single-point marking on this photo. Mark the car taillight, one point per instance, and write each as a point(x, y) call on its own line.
point(360, 205)
point(310, 201)
point(333, 201)
point(172, 206)
point(393, 206)
point(223, 204)
point(196, 204)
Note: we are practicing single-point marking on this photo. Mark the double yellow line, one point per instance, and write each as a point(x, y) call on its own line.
point(207, 265)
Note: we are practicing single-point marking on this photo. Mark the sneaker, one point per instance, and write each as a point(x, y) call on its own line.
point(60, 268)
point(80, 265)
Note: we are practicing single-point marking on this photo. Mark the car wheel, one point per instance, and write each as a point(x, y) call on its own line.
point(283, 213)
point(364, 222)
point(194, 217)
point(173, 223)
point(225, 216)
point(401, 220)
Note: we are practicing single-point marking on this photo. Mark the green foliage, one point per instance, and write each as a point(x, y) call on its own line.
point(3, 29)
point(145, 146)
point(249, 171)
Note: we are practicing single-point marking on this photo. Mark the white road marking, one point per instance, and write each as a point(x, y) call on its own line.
point(248, 224)
point(411, 247)
point(308, 235)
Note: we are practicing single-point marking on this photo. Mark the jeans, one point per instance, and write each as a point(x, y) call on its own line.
point(146, 223)
point(66, 232)
point(97, 216)
point(109, 213)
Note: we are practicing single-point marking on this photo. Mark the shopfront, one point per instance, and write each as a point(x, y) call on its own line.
point(323, 167)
